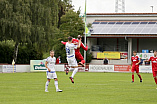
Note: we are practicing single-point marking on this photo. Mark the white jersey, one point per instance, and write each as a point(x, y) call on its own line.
point(51, 63)
point(70, 50)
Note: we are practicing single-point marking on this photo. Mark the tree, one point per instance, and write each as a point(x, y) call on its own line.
point(28, 22)
point(71, 24)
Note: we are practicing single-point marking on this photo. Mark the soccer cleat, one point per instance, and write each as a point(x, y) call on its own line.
point(72, 80)
point(82, 64)
point(140, 80)
point(46, 91)
point(67, 71)
point(58, 90)
point(132, 81)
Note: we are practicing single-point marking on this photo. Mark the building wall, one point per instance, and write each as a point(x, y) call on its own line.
point(134, 45)
point(91, 19)
point(91, 42)
point(148, 44)
point(112, 44)
point(144, 44)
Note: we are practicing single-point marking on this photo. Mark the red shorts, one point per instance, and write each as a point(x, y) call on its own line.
point(154, 73)
point(79, 56)
point(135, 68)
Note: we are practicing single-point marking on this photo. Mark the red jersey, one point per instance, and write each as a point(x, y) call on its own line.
point(154, 63)
point(78, 49)
point(135, 59)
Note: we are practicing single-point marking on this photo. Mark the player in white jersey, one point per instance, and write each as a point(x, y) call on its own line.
point(51, 74)
point(70, 52)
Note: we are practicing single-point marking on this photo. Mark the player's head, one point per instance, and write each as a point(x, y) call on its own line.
point(79, 37)
point(134, 53)
point(155, 52)
point(70, 39)
point(52, 53)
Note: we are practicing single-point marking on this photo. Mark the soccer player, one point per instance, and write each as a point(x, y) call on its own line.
point(51, 74)
point(77, 51)
point(70, 52)
point(153, 59)
point(135, 65)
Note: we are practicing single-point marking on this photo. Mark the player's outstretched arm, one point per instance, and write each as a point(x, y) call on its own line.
point(147, 60)
point(83, 47)
point(63, 42)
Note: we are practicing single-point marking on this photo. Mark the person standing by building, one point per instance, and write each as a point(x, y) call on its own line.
point(58, 61)
point(105, 61)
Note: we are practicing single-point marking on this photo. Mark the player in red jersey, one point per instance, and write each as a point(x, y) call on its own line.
point(77, 51)
point(153, 59)
point(135, 65)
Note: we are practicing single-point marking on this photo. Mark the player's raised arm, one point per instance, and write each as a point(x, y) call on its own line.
point(63, 42)
point(83, 47)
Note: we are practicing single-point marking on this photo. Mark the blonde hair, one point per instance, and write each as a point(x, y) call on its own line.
point(52, 51)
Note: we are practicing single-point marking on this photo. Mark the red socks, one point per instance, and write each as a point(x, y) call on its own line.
point(132, 77)
point(155, 79)
point(140, 77)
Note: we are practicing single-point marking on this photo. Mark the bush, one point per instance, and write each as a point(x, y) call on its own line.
point(25, 54)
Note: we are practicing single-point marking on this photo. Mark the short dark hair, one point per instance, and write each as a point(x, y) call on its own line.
point(79, 36)
point(69, 38)
point(134, 51)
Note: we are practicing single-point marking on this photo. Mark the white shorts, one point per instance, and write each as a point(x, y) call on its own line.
point(51, 75)
point(72, 62)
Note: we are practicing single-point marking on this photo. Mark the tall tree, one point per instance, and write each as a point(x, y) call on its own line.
point(72, 24)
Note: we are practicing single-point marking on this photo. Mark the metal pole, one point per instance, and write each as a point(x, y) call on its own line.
point(85, 35)
point(152, 8)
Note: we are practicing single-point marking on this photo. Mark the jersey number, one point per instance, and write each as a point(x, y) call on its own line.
point(68, 51)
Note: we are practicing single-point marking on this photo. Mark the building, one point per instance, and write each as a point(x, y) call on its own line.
point(122, 32)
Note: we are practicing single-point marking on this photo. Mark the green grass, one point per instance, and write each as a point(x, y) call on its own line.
point(89, 88)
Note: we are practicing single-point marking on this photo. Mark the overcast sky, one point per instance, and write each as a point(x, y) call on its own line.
point(108, 6)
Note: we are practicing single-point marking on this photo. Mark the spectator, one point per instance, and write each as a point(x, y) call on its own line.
point(105, 61)
point(58, 61)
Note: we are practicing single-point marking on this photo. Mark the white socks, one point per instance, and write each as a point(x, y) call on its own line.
point(71, 69)
point(74, 72)
point(46, 85)
point(56, 84)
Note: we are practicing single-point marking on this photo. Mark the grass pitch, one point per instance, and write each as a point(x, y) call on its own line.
point(89, 88)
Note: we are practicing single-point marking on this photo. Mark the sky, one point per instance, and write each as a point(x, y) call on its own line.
point(108, 6)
